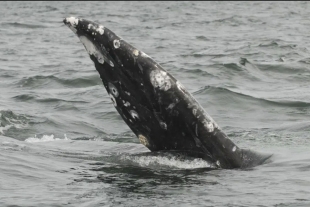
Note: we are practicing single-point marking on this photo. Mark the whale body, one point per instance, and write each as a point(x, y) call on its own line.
point(154, 104)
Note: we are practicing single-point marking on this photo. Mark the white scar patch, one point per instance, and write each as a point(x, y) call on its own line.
point(73, 29)
point(160, 79)
point(113, 100)
point(234, 148)
point(111, 63)
point(92, 49)
point(163, 125)
point(180, 87)
point(116, 44)
point(134, 114)
point(144, 55)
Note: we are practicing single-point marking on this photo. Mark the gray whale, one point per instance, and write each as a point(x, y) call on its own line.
point(155, 105)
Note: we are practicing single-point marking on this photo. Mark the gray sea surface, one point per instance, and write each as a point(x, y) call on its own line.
point(62, 143)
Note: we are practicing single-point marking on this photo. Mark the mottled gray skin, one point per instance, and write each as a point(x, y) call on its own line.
point(156, 107)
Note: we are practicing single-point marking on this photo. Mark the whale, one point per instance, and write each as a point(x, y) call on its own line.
point(154, 104)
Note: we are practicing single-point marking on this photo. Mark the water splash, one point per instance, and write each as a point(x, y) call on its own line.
point(45, 138)
point(164, 161)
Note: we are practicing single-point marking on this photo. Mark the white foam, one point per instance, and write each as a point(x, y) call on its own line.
point(45, 138)
point(2, 129)
point(148, 161)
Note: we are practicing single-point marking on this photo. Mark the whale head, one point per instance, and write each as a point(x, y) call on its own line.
point(138, 86)
point(155, 106)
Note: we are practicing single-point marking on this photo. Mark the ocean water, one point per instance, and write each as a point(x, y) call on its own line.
point(62, 143)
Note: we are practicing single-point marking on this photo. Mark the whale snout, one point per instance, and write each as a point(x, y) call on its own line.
point(71, 21)
point(84, 27)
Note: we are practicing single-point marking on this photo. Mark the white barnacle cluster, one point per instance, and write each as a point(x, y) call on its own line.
point(92, 49)
point(113, 90)
point(90, 26)
point(160, 79)
point(73, 22)
point(116, 43)
point(100, 29)
point(136, 53)
point(143, 140)
point(209, 118)
point(208, 125)
point(126, 103)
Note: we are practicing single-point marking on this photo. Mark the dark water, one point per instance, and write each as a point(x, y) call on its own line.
point(62, 142)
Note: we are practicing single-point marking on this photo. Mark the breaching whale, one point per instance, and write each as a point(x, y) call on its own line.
point(155, 105)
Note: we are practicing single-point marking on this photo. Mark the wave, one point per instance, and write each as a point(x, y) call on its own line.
point(233, 66)
point(201, 37)
point(215, 91)
point(201, 55)
point(23, 25)
point(196, 71)
point(9, 120)
point(30, 97)
point(235, 20)
point(262, 71)
point(46, 138)
point(278, 43)
point(48, 9)
point(39, 80)
point(305, 61)
point(284, 68)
